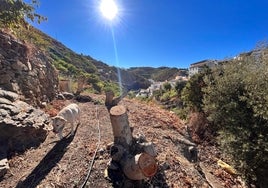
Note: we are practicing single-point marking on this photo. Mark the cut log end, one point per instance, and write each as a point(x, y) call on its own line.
point(140, 167)
point(147, 164)
point(118, 110)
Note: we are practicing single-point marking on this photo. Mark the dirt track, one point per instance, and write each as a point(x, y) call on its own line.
point(66, 163)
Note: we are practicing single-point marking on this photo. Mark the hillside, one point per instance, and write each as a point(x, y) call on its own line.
point(69, 63)
point(158, 74)
point(66, 163)
point(188, 154)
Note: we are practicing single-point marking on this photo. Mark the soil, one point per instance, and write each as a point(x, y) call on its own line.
point(68, 162)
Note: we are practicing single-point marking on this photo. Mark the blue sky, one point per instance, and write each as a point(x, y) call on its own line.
point(173, 33)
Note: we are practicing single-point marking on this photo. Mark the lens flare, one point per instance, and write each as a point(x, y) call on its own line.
point(108, 9)
point(117, 63)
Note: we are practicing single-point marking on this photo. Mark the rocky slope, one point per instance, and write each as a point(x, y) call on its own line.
point(25, 70)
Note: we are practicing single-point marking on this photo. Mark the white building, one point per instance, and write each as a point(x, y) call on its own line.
point(199, 66)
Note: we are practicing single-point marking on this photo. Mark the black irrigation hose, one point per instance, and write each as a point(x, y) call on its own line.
point(98, 145)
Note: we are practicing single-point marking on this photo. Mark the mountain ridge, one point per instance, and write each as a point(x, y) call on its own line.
point(70, 63)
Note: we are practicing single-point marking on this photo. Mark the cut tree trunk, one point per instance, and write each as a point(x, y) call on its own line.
point(120, 125)
point(136, 159)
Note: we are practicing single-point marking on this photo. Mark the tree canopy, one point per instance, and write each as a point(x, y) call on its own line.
point(17, 12)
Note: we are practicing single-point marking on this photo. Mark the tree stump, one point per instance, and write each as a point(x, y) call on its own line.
point(120, 125)
point(136, 158)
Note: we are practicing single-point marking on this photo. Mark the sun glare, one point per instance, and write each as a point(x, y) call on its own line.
point(108, 9)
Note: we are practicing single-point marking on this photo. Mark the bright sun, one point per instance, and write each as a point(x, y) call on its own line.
point(108, 9)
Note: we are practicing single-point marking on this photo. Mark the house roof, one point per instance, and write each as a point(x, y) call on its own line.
point(201, 63)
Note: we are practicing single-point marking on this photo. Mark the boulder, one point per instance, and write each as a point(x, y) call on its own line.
point(4, 167)
point(21, 125)
point(83, 98)
point(68, 95)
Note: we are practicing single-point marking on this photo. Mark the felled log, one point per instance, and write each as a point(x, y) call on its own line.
point(140, 166)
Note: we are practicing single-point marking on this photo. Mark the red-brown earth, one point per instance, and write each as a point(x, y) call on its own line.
point(66, 163)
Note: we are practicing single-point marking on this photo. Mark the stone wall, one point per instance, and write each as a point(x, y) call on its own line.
point(26, 71)
point(21, 127)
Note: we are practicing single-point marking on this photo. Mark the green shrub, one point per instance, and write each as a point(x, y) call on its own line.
point(236, 103)
point(131, 94)
point(168, 94)
point(179, 86)
point(181, 112)
point(167, 86)
point(192, 94)
point(110, 86)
